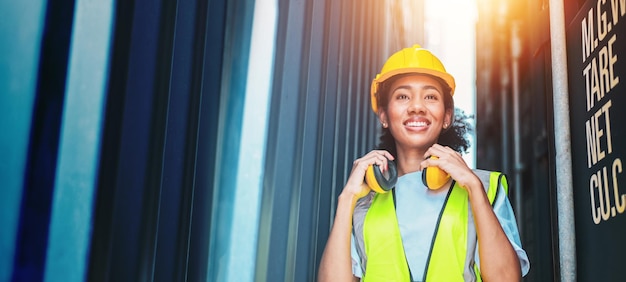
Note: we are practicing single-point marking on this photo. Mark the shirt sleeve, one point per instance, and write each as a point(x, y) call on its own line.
point(356, 259)
point(504, 212)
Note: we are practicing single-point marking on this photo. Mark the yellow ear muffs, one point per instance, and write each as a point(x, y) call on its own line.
point(434, 177)
point(377, 181)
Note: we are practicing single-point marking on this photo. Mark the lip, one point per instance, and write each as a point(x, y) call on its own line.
point(417, 123)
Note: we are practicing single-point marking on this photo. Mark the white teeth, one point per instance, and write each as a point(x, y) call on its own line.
point(416, 123)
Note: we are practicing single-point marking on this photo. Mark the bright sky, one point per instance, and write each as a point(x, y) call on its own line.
point(450, 35)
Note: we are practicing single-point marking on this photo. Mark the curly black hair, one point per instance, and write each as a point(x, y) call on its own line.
point(454, 137)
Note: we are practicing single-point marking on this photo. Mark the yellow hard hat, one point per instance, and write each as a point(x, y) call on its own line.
point(414, 59)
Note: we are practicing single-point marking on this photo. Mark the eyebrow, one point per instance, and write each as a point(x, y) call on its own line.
point(425, 87)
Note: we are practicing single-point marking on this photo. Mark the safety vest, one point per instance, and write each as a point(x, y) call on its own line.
point(384, 251)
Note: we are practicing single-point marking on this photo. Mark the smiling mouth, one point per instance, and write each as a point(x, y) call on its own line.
point(416, 124)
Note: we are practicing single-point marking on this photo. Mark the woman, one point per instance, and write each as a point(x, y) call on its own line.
point(464, 231)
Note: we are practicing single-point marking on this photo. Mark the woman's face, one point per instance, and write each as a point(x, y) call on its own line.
point(416, 113)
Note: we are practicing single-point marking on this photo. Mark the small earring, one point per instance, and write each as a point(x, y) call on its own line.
point(384, 124)
point(445, 125)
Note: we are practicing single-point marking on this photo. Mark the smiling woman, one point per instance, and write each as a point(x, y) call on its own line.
point(442, 82)
point(413, 233)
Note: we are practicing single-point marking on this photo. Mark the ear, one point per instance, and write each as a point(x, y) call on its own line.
point(448, 118)
point(382, 117)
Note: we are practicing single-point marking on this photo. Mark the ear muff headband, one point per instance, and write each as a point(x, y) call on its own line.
point(377, 181)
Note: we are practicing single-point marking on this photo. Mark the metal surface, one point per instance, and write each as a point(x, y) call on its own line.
point(236, 216)
point(207, 141)
point(79, 147)
point(327, 52)
point(565, 197)
point(513, 43)
point(21, 28)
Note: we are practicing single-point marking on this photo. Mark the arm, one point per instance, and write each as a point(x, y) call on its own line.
point(498, 259)
point(336, 263)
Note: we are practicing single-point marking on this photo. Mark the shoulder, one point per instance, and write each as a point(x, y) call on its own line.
point(366, 201)
point(494, 182)
point(486, 176)
point(361, 207)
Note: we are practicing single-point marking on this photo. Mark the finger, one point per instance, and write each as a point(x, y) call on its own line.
point(373, 158)
point(436, 151)
point(382, 157)
point(379, 154)
point(437, 146)
point(439, 156)
point(387, 155)
point(381, 161)
point(431, 162)
point(441, 151)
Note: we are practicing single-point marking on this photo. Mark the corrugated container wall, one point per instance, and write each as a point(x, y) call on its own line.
point(321, 121)
point(514, 127)
point(536, 108)
point(184, 140)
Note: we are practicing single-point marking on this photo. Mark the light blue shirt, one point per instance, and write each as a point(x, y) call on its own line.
point(417, 209)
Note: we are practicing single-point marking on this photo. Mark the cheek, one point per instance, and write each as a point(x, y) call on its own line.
point(439, 111)
point(394, 113)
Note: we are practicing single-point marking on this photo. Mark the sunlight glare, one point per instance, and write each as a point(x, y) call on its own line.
point(450, 34)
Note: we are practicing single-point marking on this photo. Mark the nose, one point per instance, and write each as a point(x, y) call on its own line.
point(416, 106)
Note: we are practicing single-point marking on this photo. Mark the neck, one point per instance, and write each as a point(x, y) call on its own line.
point(409, 160)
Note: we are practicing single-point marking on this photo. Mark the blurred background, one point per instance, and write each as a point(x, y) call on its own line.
point(190, 140)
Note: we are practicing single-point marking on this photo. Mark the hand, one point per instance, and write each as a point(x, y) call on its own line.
point(356, 186)
point(451, 162)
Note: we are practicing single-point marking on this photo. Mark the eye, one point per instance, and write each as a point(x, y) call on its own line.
point(402, 96)
point(431, 96)
point(431, 93)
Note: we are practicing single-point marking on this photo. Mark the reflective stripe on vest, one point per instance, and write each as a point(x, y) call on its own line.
point(386, 260)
